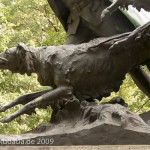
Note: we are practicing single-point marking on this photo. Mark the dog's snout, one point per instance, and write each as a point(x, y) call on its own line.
point(3, 60)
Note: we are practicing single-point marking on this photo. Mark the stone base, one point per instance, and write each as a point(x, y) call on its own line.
point(146, 117)
point(86, 124)
point(104, 134)
point(111, 147)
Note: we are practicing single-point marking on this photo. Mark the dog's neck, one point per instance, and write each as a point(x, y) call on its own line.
point(28, 63)
point(39, 63)
point(33, 62)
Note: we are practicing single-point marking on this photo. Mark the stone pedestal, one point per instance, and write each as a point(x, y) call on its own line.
point(87, 124)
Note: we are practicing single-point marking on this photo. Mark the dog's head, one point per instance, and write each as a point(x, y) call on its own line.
point(16, 59)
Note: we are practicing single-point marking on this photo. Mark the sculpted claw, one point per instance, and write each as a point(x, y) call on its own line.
point(105, 14)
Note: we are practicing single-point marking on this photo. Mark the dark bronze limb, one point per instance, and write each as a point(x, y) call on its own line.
point(107, 12)
point(23, 99)
point(138, 74)
point(59, 94)
point(142, 79)
point(140, 33)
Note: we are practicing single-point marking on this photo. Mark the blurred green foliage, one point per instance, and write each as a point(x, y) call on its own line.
point(34, 23)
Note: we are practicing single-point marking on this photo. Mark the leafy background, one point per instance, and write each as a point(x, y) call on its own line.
point(33, 23)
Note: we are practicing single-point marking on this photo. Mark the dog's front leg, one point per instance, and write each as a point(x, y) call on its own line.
point(54, 96)
point(23, 99)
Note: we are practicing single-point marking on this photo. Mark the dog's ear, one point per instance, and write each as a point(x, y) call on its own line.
point(25, 56)
point(22, 49)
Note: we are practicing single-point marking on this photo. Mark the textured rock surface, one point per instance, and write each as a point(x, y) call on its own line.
point(146, 117)
point(106, 134)
point(87, 124)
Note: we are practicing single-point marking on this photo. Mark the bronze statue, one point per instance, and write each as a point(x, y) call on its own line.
point(138, 4)
point(84, 20)
point(102, 46)
point(81, 71)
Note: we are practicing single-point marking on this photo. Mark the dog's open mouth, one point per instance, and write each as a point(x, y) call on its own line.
point(3, 62)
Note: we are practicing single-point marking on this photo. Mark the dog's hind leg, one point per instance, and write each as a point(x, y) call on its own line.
point(54, 96)
point(23, 99)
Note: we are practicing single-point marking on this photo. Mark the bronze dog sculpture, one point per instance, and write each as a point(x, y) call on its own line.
point(84, 71)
